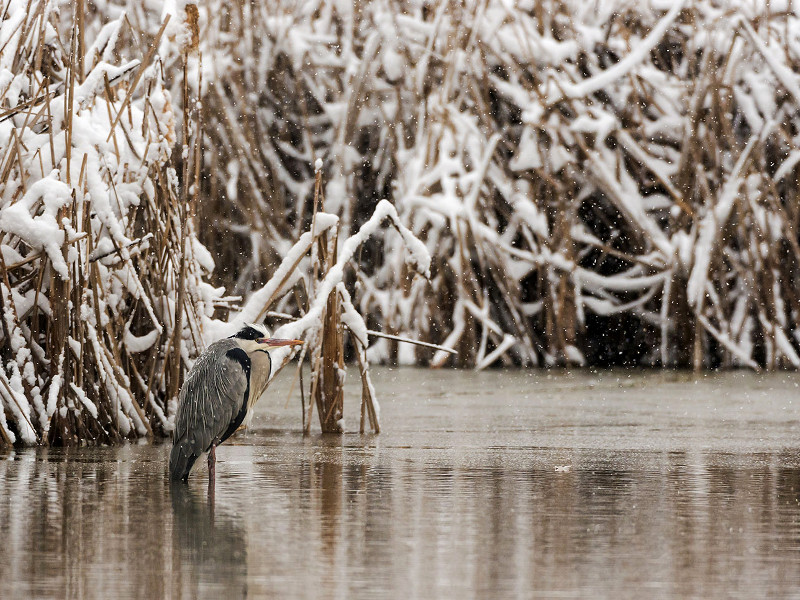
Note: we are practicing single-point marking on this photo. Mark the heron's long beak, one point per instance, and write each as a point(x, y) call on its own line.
point(276, 342)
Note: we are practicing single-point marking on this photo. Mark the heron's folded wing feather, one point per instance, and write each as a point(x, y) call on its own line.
point(212, 396)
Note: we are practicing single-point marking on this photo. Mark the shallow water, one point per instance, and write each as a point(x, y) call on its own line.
point(501, 484)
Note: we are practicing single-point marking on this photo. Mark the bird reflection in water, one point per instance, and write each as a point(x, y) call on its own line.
point(209, 550)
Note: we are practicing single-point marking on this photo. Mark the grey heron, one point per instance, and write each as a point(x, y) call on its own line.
point(219, 394)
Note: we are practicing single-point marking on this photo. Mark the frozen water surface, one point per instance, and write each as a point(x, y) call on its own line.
point(496, 484)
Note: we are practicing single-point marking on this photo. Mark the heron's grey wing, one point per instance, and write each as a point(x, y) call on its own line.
point(212, 398)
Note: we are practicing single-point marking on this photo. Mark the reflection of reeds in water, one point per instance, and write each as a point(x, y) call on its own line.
point(78, 520)
point(325, 522)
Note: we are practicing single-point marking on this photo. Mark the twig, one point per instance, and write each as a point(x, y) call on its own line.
point(380, 334)
point(145, 63)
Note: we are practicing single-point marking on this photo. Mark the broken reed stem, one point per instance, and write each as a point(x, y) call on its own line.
point(329, 390)
point(315, 382)
point(302, 393)
point(421, 344)
point(367, 399)
point(317, 256)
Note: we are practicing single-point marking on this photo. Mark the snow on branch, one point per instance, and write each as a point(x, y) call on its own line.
point(417, 255)
point(624, 66)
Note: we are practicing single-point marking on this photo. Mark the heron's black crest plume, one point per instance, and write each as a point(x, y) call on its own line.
point(251, 332)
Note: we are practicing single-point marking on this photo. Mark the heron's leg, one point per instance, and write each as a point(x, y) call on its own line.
point(212, 461)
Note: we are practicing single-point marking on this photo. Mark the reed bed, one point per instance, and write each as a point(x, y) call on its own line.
point(598, 183)
point(102, 275)
point(592, 183)
point(104, 280)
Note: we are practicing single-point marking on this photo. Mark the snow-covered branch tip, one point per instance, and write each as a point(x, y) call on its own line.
point(417, 255)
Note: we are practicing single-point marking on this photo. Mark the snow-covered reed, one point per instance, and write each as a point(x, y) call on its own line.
point(597, 182)
point(103, 278)
point(98, 251)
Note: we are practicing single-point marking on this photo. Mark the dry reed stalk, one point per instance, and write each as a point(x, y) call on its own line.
point(327, 383)
point(329, 396)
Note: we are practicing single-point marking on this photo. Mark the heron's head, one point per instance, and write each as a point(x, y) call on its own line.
point(256, 338)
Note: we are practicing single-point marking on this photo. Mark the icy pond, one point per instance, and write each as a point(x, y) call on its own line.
point(520, 484)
